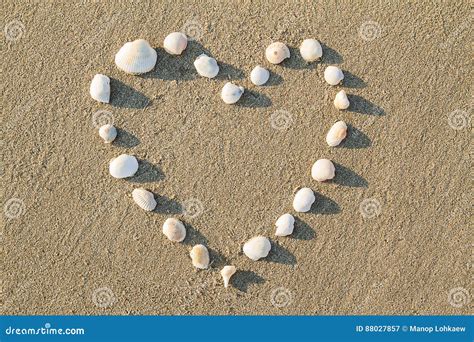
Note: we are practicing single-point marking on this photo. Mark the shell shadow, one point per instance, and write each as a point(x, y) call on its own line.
point(125, 139)
point(228, 72)
point(242, 280)
point(347, 177)
point(330, 56)
point(274, 79)
point(193, 236)
point(166, 205)
point(363, 106)
point(352, 81)
point(355, 139)
point(296, 61)
point(254, 99)
point(173, 67)
point(280, 255)
point(302, 230)
point(323, 205)
point(147, 173)
point(124, 96)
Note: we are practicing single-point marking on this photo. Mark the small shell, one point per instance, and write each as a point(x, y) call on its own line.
point(336, 133)
point(259, 76)
point(341, 101)
point(174, 230)
point(108, 133)
point(311, 50)
point(231, 93)
point(123, 166)
point(100, 88)
point(333, 75)
point(136, 57)
point(285, 225)
point(226, 273)
point(257, 247)
point(206, 66)
point(200, 256)
point(144, 198)
point(175, 43)
point(323, 169)
point(277, 52)
point(303, 200)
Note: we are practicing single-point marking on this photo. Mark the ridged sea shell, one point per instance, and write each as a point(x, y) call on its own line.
point(303, 200)
point(200, 256)
point(206, 66)
point(231, 93)
point(136, 57)
point(333, 75)
point(285, 225)
point(311, 50)
point(227, 272)
point(336, 133)
point(175, 43)
point(277, 52)
point(108, 133)
point(259, 76)
point(323, 169)
point(174, 230)
point(144, 199)
point(123, 166)
point(100, 88)
point(257, 247)
point(341, 101)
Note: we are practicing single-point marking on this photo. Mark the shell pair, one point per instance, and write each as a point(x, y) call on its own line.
point(310, 50)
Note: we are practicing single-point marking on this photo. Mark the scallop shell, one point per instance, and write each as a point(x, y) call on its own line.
point(144, 198)
point(136, 57)
point(257, 247)
point(200, 256)
point(175, 43)
point(227, 272)
point(341, 101)
point(311, 50)
point(285, 225)
point(336, 133)
point(123, 166)
point(231, 93)
point(174, 230)
point(108, 133)
point(277, 52)
point(333, 75)
point(259, 76)
point(303, 200)
point(323, 169)
point(100, 88)
point(206, 66)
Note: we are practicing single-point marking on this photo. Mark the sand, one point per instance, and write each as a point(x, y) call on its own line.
point(79, 245)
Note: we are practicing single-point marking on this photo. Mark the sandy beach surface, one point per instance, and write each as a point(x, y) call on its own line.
point(390, 234)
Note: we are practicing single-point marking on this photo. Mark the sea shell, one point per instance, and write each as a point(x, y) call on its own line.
point(277, 52)
point(231, 93)
point(259, 76)
point(323, 169)
point(175, 43)
point(100, 88)
point(336, 133)
point(303, 200)
point(123, 166)
point(333, 75)
point(285, 225)
point(311, 50)
point(257, 247)
point(144, 198)
point(136, 57)
point(108, 133)
point(226, 273)
point(206, 66)
point(341, 101)
point(200, 256)
point(174, 230)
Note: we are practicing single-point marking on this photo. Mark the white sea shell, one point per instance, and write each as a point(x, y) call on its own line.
point(174, 230)
point(336, 133)
point(257, 247)
point(303, 200)
point(136, 57)
point(175, 43)
point(231, 93)
point(341, 101)
point(323, 169)
point(108, 133)
point(259, 76)
point(333, 75)
point(285, 225)
point(100, 88)
point(123, 166)
point(144, 198)
point(311, 50)
point(226, 273)
point(200, 256)
point(206, 66)
point(277, 52)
